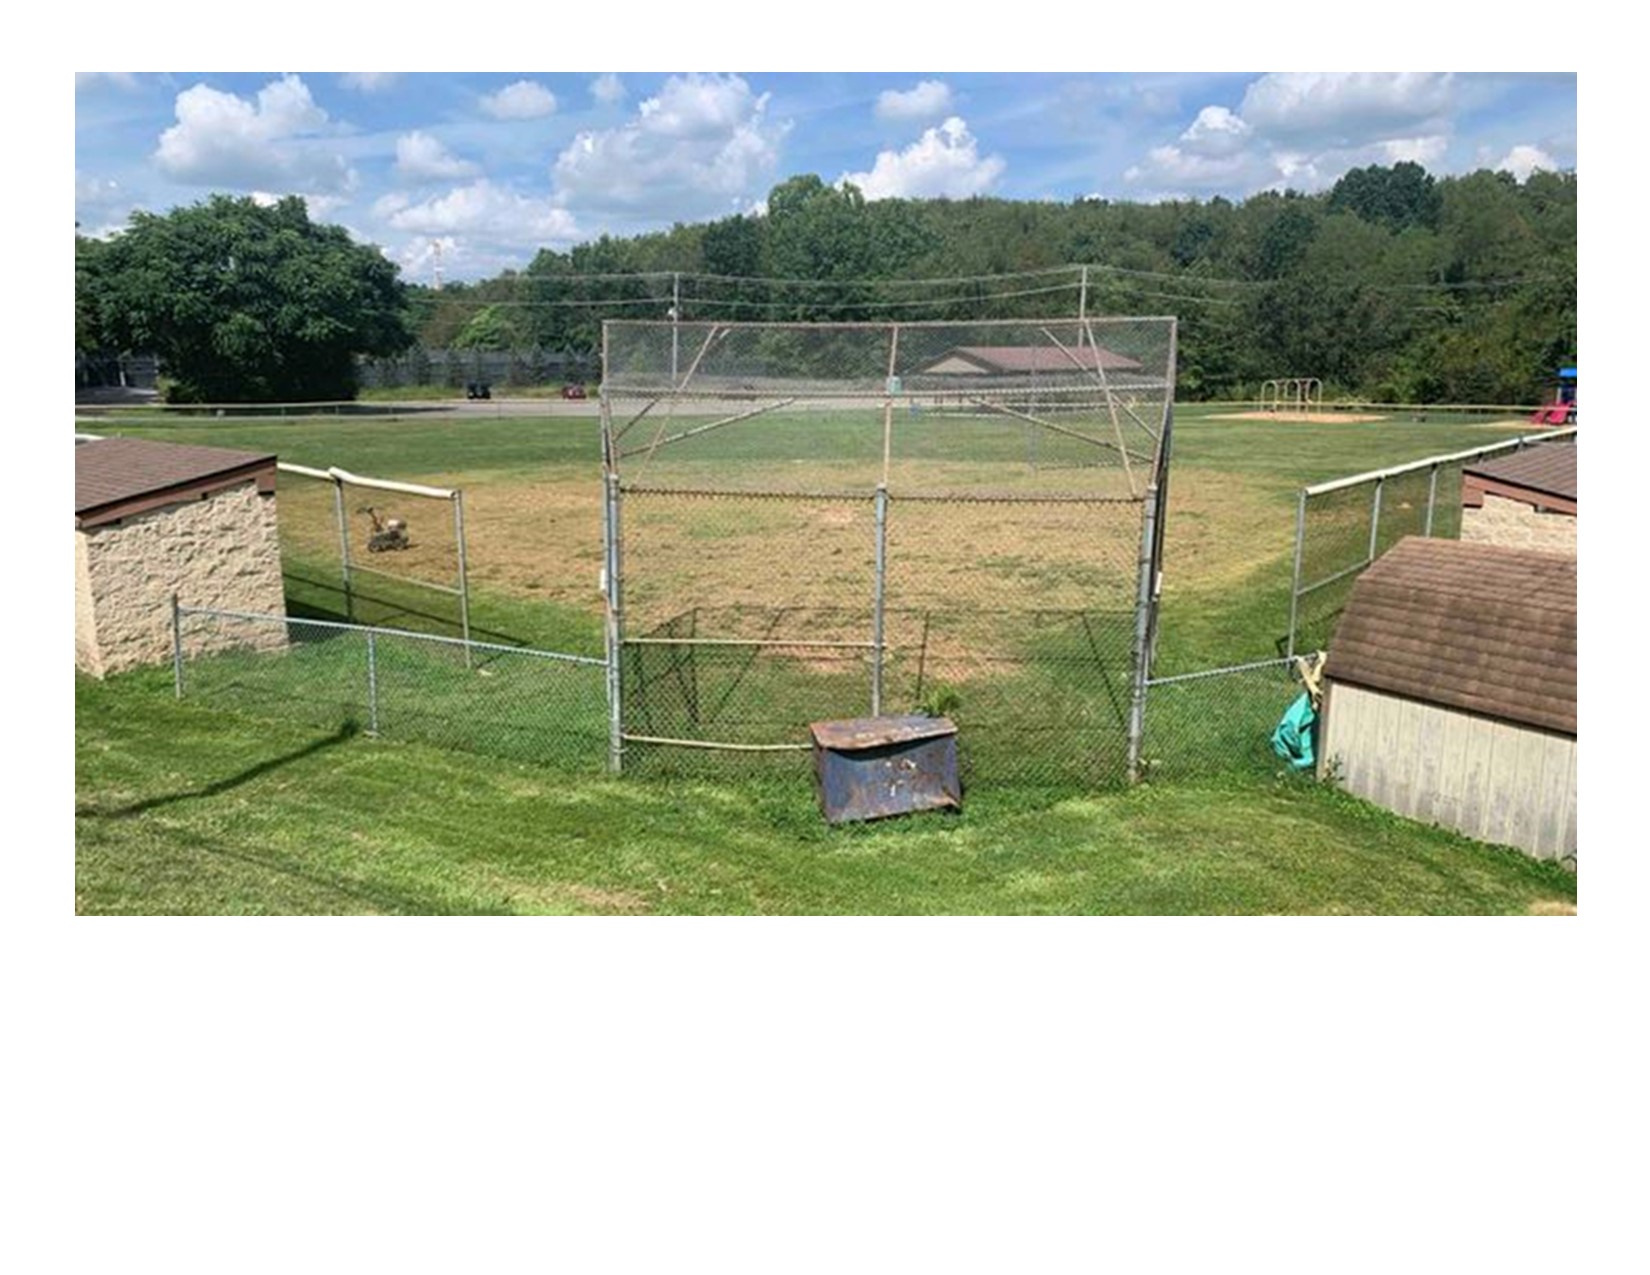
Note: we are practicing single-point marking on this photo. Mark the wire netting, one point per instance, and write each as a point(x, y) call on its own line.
point(364, 555)
point(514, 703)
point(1001, 559)
point(1217, 722)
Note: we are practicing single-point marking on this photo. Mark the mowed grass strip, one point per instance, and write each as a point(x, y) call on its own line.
point(184, 808)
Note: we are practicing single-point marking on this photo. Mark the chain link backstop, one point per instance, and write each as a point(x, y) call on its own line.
point(807, 522)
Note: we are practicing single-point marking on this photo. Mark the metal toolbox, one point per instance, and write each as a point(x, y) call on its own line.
point(874, 767)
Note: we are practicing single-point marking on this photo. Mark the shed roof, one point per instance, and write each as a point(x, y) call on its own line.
point(1549, 468)
point(117, 477)
point(1043, 358)
point(1471, 626)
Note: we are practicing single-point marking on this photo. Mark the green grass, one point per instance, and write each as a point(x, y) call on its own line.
point(193, 807)
point(185, 809)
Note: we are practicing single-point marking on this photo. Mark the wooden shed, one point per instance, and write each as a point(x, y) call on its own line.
point(1451, 692)
point(156, 519)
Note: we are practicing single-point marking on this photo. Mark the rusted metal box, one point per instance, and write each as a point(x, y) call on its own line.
point(874, 767)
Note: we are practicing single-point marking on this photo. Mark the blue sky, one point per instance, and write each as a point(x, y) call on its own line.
point(492, 166)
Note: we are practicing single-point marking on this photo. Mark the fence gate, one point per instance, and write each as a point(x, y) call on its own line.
point(815, 521)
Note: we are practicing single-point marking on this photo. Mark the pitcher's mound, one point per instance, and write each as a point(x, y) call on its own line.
point(1303, 418)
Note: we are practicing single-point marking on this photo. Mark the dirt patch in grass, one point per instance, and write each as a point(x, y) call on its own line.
point(1302, 418)
point(1552, 907)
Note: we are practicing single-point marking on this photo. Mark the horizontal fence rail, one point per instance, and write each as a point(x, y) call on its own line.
point(1343, 525)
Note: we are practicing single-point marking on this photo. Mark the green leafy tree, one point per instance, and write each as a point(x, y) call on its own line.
point(246, 302)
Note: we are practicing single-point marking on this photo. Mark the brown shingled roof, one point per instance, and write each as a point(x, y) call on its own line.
point(1549, 468)
point(1476, 627)
point(117, 477)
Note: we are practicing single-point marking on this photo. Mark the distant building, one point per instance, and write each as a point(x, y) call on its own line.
point(1025, 360)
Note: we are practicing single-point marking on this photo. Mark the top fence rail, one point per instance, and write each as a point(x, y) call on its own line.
point(1434, 462)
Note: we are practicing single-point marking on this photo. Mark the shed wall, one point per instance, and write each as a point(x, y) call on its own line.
point(219, 551)
point(1492, 780)
point(85, 613)
point(1518, 526)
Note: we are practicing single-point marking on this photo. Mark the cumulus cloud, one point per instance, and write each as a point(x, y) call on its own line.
point(1216, 131)
point(523, 100)
point(368, 81)
point(277, 140)
point(704, 143)
point(929, 100)
point(1346, 108)
point(484, 210)
point(944, 161)
point(608, 89)
point(1522, 160)
point(1304, 130)
point(420, 157)
point(320, 207)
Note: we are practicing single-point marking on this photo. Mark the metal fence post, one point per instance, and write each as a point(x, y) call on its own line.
point(1375, 518)
point(615, 632)
point(879, 598)
point(372, 682)
point(1432, 498)
point(177, 649)
point(1142, 633)
point(343, 546)
point(1295, 586)
point(463, 576)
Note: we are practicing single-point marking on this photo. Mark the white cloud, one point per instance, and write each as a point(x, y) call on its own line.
point(523, 100)
point(1346, 108)
point(420, 157)
point(277, 140)
point(1304, 130)
point(320, 207)
point(1216, 131)
point(482, 209)
point(700, 144)
point(368, 81)
point(944, 161)
point(608, 89)
point(929, 100)
point(121, 79)
point(1523, 160)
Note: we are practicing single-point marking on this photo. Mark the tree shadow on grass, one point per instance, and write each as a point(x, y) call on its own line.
point(344, 733)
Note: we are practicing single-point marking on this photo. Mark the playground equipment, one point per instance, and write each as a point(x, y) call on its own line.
point(1562, 410)
point(1291, 394)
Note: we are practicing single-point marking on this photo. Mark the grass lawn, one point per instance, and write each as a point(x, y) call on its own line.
point(182, 809)
point(189, 807)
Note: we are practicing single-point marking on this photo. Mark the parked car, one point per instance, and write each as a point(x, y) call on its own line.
point(478, 389)
point(573, 391)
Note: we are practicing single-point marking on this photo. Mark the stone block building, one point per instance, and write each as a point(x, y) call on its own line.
point(1523, 501)
point(156, 519)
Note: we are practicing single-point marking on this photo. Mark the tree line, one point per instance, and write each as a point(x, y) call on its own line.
point(1392, 285)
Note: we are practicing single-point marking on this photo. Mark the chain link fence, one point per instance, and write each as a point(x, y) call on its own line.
point(502, 701)
point(1217, 721)
point(1342, 526)
point(811, 522)
point(373, 551)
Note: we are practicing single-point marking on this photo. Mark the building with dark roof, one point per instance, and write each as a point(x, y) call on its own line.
point(1451, 692)
point(157, 519)
point(1524, 501)
point(1021, 360)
